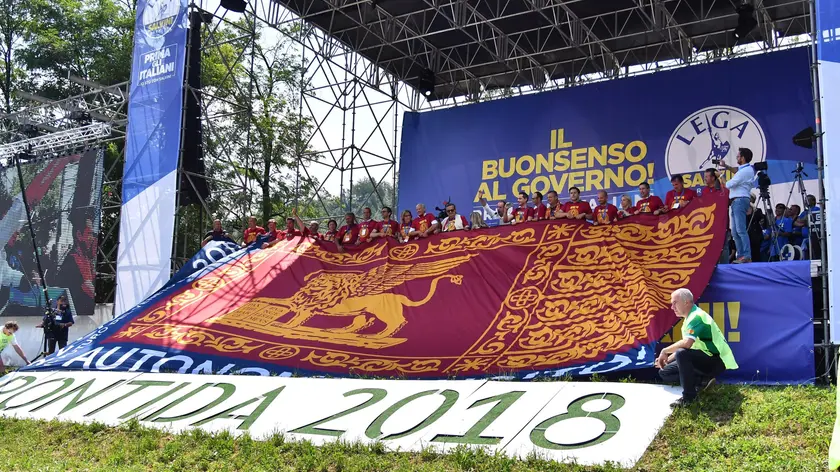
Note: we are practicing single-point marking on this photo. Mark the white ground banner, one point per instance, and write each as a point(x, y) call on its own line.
point(587, 423)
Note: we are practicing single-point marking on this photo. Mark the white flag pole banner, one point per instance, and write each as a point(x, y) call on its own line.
point(586, 423)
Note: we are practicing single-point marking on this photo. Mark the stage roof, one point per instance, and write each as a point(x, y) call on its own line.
point(470, 44)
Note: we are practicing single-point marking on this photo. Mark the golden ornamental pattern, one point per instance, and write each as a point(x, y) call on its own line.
point(196, 336)
point(586, 290)
point(581, 291)
point(370, 364)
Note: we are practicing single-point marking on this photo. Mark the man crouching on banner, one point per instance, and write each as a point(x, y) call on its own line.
point(702, 350)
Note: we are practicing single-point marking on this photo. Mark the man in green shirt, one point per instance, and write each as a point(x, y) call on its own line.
point(702, 350)
point(7, 336)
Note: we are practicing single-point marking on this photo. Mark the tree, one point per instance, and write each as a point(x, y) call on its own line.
point(13, 21)
point(91, 39)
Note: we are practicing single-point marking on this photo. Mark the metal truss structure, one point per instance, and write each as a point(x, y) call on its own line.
point(474, 46)
point(52, 128)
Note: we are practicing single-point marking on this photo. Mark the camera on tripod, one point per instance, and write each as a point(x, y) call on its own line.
point(442, 211)
point(48, 322)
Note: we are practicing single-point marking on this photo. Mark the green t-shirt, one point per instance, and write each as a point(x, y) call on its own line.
point(6, 339)
point(700, 327)
point(694, 328)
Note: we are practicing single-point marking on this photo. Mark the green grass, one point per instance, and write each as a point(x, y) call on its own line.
point(733, 428)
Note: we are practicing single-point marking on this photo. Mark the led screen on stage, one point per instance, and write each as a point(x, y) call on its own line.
point(64, 196)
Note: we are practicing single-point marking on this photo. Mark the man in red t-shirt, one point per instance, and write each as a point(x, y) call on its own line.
point(252, 232)
point(540, 210)
point(453, 221)
point(287, 234)
point(387, 227)
point(347, 234)
point(273, 233)
point(555, 208)
point(679, 197)
point(523, 212)
point(713, 186)
point(313, 231)
point(576, 209)
point(605, 213)
point(366, 226)
point(425, 223)
point(649, 204)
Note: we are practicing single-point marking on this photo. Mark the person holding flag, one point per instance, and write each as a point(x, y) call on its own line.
point(702, 349)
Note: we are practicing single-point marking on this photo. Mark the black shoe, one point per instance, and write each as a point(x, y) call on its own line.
point(705, 384)
point(682, 402)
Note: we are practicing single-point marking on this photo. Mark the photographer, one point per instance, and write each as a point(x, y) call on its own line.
point(739, 202)
point(57, 325)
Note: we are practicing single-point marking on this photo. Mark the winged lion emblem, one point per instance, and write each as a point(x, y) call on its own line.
point(356, 294)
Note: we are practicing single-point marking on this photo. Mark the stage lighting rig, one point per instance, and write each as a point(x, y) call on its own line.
point(80, 116)
point(29, 130)
point(235, 5)
point(426, 82)
point(746, 20)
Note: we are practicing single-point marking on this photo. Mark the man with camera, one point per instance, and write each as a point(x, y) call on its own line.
point(56, 325)
point(739, 202)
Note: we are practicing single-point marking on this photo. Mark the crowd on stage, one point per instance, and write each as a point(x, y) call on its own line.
point(751, 233)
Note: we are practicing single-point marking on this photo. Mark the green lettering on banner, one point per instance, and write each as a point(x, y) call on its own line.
point(247, 420)
point(78, 400)
point(64, 384)
point(227, 391)
point(377, 394)
point(473, 435)
point(375, 429)
point(152, 401)
point(575, 410)
point(27, 380)
point(141, 385)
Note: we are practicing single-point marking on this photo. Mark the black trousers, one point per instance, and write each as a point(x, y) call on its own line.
point(51, 343)
point(687, 366)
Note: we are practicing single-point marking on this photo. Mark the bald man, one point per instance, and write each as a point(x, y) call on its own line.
point(702, 349)
point(425, 223)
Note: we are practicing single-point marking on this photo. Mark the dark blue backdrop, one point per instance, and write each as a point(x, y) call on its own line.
point(758, 102)
point(766, 312)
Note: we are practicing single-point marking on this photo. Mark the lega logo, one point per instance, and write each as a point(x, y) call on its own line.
point(159, 16)
point(713, 133)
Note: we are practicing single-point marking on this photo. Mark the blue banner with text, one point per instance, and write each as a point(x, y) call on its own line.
point(613, 135)
point(766, 313)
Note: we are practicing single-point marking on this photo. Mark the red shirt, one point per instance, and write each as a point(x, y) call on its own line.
point(577, 208)
point(605, 214)
point(672, 200)
point(390, 227)
point(406, 228)
point(522, 214)
point(330, 235)
point(649, 204)
point(276, 234)
point(348, 234)
point(451, 224)
point(289, 235)
point(541, 212)
point(365, 228)
point(422, 223)
point(555, 212)
point(708, 191)
point(250, 234)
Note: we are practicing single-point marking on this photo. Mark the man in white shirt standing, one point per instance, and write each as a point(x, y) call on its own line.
point(7, 336)
point(503, 212)
point(739, 202)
